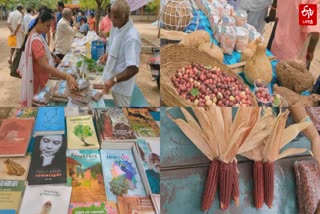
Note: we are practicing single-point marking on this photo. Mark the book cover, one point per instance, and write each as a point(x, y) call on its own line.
point(81, 133)
point(156, 201)
point(48, 161)
point(15, 135)
point(24, 112)
point(115, 125)
point(121, 176)
point(92, 208)
point(135, 205)
point(151, 165)
point(46, 199)
point(84, 172)
point(10, 195)
point(50, 120)
point(14, 168)
point(5, 113)
point(142, 122)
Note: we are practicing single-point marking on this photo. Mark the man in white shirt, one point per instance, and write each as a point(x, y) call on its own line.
point(64, 34)
point(123, 55)
point(26, 20)
point(15, 22)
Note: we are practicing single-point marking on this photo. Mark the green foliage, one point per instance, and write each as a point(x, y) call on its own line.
point(11, 4)
point(119, 186)
point(82, 131)
point(88, 4)
point(152, 6)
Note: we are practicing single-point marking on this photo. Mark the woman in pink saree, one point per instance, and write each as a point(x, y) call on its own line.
point(36, 62)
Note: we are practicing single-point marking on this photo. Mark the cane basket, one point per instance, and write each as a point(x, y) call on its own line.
point(175, 56)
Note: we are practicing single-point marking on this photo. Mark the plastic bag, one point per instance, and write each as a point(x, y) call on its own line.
point(217, 33)
point(61, 90)
point(249, 27)
point(241, 17)
point(253, 35)
point(228, 39)
point(43, 97)
point(12, 41)
point(308, 185)
point(228, 21)
point(242, 38)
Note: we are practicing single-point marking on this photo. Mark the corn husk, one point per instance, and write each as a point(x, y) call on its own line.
point(281, 136)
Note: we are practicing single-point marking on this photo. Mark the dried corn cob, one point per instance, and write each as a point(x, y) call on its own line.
point(258, 181)
point(268, 168)
point(211, 185)
point(225, 181)
point(235, 184)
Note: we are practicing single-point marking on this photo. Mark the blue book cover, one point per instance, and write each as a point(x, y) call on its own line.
point(50, 120)
point(121, 175)
point(8, 212)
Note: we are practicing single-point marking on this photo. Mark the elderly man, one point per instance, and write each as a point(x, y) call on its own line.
point(123, 55)
point(15, 25)
point(64, 34)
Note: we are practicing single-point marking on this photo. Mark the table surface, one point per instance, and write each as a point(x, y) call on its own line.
point(184, 169)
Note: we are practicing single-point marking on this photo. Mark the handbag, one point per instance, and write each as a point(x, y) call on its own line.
point(16, 60)
point(12, 41)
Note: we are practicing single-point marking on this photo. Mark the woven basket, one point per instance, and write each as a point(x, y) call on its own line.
point(175, 56)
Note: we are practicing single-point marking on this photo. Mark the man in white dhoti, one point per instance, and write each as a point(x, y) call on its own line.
point(15, 25)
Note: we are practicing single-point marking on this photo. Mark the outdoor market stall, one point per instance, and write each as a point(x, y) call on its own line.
point(216, 29)
point(81, 62)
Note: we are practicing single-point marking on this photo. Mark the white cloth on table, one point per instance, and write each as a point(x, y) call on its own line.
point(124, 51)
point(121, 100)
point(64, 37)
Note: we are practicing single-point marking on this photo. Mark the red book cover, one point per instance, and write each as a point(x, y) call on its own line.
point(15, 135)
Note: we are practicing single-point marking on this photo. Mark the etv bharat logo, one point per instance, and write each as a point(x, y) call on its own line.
point(308, 14)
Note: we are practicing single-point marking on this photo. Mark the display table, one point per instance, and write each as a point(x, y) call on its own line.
point(184, 171)
point(69, 65)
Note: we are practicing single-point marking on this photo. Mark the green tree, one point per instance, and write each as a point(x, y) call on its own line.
point(119, 186)
point(82, 132)
point(153, 6)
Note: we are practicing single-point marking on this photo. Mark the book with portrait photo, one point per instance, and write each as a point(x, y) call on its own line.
point(46, 199)
point(15, 135)
point(48, 162)
point(50, 120)
point(135, 204)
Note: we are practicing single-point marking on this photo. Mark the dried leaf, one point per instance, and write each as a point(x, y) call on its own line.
point(190, 118)
point(197, 138)
point(254, 154)
point(291, 151)
point(271, 151)
point(292, 131)
point(227, 117)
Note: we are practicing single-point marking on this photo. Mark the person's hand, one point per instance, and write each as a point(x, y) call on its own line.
point(103, 58)
point(72, 83)
point(107, 86)
point(272, 16)
point(57, 60)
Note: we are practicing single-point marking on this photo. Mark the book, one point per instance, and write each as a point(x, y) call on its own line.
point(142, 122)
point(48, 161)
point(135, 205)
point(50, 120)
point(121, 175)
point(81, 133)
point(5, 113)
point(84, 172)
point(151, 164)
point(24, 112)
point(15, 168)
point(92, 208)
point(15, 135)
point(156, 202)
point(115, 125)
point(10, 195)
point(46, 199)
